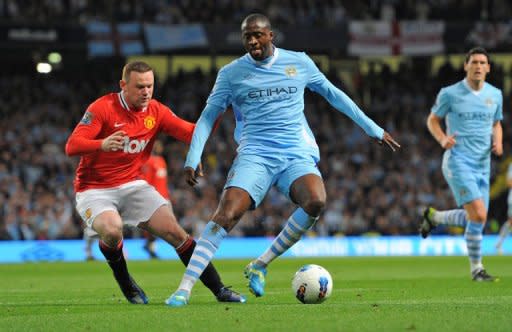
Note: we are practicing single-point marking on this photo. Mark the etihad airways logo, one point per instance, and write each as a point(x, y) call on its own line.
point(272, 92)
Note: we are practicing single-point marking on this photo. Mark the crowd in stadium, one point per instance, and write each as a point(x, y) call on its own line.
point(369, 189)
point(289, 12)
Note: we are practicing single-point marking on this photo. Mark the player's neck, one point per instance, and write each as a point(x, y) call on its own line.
point(129, 106)
point(137, 109)
point(268, 61)
point(475, 85)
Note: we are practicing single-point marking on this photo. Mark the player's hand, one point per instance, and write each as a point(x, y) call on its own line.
point(448, 141)
point(390, 141)
point(113, 142)
point(497, 149)
point(191, 175)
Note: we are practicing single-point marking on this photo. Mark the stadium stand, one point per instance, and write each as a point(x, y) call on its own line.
point(369, 191)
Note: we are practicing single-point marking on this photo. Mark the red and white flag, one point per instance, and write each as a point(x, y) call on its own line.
point(394, 38)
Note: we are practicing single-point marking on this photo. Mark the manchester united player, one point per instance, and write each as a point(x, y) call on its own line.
point(155, 173)
point(114, 139)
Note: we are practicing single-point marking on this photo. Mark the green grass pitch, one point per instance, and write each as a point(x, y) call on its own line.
point(369, 294)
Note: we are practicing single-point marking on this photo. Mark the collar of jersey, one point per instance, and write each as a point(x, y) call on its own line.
point(124, 104)
point(466, 84)
point(268, 62)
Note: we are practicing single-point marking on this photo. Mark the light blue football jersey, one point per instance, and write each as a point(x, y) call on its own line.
point(470, 116)
point(268, 101)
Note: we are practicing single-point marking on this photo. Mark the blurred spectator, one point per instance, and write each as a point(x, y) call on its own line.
point(325, 13)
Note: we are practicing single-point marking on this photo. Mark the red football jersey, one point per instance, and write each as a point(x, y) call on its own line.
point(154, 172)
point(109, 114)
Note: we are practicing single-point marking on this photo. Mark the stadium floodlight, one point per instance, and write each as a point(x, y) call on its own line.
point(44, 68)
point(54, 58)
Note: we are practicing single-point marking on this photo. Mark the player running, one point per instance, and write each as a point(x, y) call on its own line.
point(473, 110)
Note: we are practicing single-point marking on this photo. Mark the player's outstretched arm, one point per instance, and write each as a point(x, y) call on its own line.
point(340, 101)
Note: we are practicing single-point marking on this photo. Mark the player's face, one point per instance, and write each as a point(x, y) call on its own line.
point(477, 67)
point(139, 88)
point(257, 41)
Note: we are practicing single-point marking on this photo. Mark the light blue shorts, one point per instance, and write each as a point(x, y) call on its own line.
point(467, 183)
point(256, 174)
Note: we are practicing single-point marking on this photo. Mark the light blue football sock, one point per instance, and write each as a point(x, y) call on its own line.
point(298, 224)
point(473, 236)
point(205, 249)
point(455, 217)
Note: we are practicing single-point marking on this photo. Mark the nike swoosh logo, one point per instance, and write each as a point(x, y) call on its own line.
point(116, 125)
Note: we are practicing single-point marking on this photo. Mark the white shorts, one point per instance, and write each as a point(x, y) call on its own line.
point(135, 202)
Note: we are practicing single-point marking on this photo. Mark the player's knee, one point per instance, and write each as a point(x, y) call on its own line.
point(111, 233)
point(481, 216)
point(314, 207)
point(478, 216)
point(227, 218)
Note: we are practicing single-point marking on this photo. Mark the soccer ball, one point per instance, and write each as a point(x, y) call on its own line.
point(312, 284)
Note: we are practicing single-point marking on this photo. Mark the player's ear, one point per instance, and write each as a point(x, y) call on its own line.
point(122, 84)
point(271, 34)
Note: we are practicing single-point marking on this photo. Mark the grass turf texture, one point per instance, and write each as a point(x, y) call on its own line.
point(370, 294)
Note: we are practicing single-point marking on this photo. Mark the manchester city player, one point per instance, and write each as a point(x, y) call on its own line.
point(265, 87)
point(472, 110)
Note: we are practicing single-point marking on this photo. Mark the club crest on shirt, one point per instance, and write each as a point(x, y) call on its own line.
point(87, 118)
point(489, 102)
point(463, 192)
point(149, 122)
point(87, 214)
point(290, 71)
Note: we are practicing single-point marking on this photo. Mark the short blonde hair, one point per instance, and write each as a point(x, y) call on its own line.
point(136, 66)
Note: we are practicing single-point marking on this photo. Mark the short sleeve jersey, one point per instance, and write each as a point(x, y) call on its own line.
point(470, 117)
